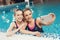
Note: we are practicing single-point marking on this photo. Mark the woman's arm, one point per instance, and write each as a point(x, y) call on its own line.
point(36, 33)
point(53, 17)
point(22, 30)
point(46, 20)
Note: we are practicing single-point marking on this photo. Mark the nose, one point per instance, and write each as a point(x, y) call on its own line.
point(29, 16)
point(20, 16)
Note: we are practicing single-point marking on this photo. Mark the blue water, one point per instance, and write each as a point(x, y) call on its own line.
point(6, 15)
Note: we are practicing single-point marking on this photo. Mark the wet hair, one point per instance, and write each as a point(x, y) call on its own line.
point(15, 10)
point(26, 9)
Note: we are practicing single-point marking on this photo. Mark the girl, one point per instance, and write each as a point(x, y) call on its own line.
point(16, 25)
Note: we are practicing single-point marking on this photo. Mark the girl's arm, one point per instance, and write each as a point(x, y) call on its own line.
point(11, 31)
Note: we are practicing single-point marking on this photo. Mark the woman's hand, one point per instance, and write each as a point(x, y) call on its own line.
point(48, 19)
point(37, 34)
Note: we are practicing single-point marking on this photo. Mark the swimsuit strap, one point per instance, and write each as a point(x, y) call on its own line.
point(16, 24)
point(17, 28)
point(28, 27)
point(38, 29)
point(35, 23)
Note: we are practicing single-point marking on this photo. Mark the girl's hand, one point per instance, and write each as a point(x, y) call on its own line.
point(21, 26)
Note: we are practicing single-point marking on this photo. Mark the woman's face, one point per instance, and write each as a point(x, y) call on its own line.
point(18, 16)
point(28, 15)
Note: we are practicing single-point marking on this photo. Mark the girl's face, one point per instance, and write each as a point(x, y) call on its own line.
point(18, 16)
point(28, 15)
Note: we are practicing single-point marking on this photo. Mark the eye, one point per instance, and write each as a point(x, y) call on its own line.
point(26, 15)
point(30, 14)
point(17, 15)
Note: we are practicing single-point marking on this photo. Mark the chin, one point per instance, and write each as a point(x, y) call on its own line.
point(20, 20)
point(29, 20)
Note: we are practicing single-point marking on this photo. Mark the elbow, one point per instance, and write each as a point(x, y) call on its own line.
point(9, 33)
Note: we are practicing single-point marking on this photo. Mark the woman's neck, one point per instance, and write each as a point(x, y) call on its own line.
point(31, 21)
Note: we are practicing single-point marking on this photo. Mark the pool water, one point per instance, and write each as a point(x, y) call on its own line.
point(6, 15)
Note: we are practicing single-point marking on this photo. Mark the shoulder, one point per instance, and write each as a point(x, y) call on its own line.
point(12, 24)
point(38, 22)
point(38, 19)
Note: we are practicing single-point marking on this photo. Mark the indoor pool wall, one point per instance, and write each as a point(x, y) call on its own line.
point(6, 15)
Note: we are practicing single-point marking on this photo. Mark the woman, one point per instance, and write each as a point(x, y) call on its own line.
point(34, 26)
point(16, 25)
